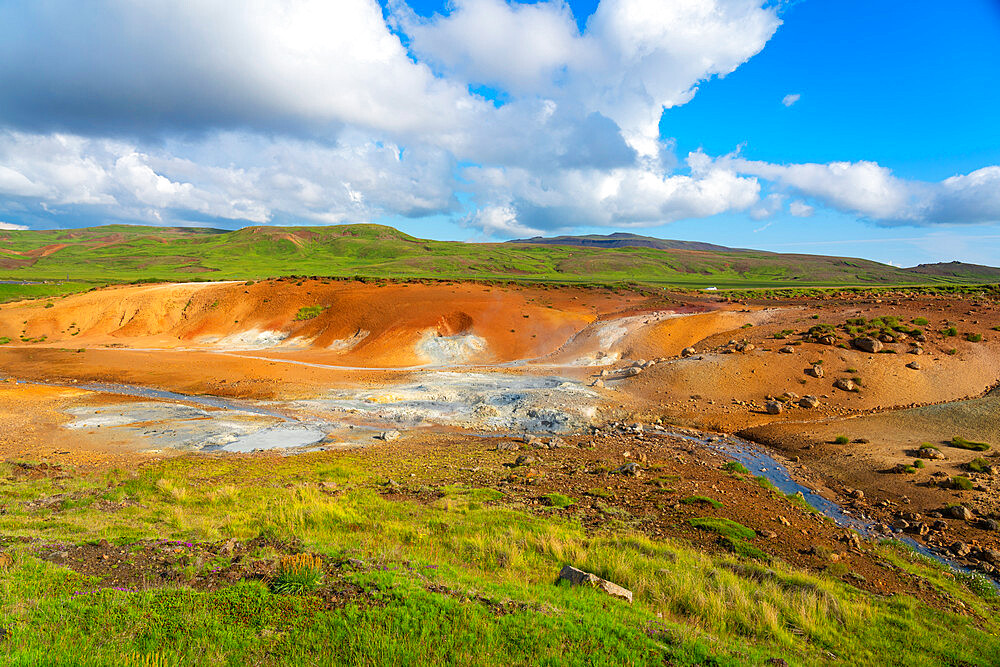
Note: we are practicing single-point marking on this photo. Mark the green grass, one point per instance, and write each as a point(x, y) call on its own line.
point(920, 321)
point(308, 313)
point(558, 500)
point(374, 251)
point(701, 500)
point(841, 440)
point(736, 467)
point(962, 443)
point(690, 608)
point(949, 332)
point(979, 464)
point(961, 483)
point(974, 337)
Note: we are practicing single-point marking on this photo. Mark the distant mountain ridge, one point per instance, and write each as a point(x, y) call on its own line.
point(626, 240)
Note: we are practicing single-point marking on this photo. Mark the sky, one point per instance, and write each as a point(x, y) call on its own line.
point(841, 127)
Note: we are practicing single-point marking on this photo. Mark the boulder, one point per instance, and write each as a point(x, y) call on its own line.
point(913, 365)
point(389, 436)
point(845, 384)
point(828, 339)
point(774, 407)
point(960, 512)
point(815, 371)
point(507, 446)
point(928, 453)
point(687, 352)
point(787, 349)
point(808, 402)
point(960, 549)
point(580, 578)
point(867, 344)
point(632, 469)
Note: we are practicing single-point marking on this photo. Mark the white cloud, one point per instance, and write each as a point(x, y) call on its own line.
point(870, 190)
point(790, 99)
point(800, 209)
point(11, 227)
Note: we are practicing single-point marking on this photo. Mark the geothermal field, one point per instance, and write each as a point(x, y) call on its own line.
point(265, 469)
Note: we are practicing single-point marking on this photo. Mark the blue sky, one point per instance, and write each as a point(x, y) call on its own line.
point(848, 127)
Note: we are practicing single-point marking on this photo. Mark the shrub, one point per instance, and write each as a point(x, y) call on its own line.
point(974, 337)
point(949, 331)
point(50, 305)
point(300, 573)
point(979, 465)
point(920, 321)
point(961, 483)
point(701, 500)
point(841, 440)
point(598, 493)
point(557, 500)
point(308, 313)
point(736, 467)
point(919, 463)
point(952, 352)
point(962, 443)
point(909, 469)
point(927, 445)
point(724, 527)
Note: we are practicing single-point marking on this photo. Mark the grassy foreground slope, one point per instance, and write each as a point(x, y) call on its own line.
point(127, 253)
point(134, 568)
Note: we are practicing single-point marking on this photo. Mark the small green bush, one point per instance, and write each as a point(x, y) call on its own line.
point(557, 500)
point(949, 331)
point(701, 500)
point(974, 337)
point(841, 440)
point(962, 443)
point(979, 465)
point(736, 467)
point(300, 573)
point(724, 527)
point(961, 483)
point(952, 352)
point(920, 321)
point(308, 313)
point(919, 463)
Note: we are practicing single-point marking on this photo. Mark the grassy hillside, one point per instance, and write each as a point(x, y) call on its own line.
point(128, 253)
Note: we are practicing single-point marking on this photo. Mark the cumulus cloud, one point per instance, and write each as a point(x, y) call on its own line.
point(870, 190)
point(11, 227)
point(800, 209)
point(790, 99)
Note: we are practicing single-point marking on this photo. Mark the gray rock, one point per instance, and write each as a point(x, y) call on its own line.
point(774, 407)
point(580, 578)
point(960, 549)
point(389, 436)
point(914, 365)
point(787, 349)
point(960, 512)
point(867, 344)
point(808, 402)
point(687, 352)
point(815, 371)
point(845, 384)
point(632, 469)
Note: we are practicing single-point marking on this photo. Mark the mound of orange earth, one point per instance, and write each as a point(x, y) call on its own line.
point(349, 324)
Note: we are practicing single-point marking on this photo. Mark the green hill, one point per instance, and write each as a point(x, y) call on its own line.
point(128, 253)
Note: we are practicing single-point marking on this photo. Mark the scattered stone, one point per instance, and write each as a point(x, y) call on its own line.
point(815, 371)
point(987, 524)
point(940, 525)
point(960, 549)
point(913, 365)
point(845, 384)
point(629, 372)
point(867, 344)
point(556, 443)
point(787, 349)
point(687, 352)
point(389, 436)
point(580, 578)
point(774, 407)
point(917, 350)
point(929, 453)
point(507, 446)
point(808, 402)
point(783, 521)
point(599, 383)
point(828, 339)
point(858, 494)
point(960, 512)
point(632, 469)
point(991, 556)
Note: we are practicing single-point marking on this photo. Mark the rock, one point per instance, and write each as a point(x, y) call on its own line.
point(828, 339)
point(788, 349)
point(808, 402)
point(599, 383)
point(389, 436)
point(632, 469)
point(867, 344)
point(900, 524)
point(783, 521)
point(556, 443)
point(815, 371)
point(991, 556)
point(928, 453)
point(960, 549)
point(987, 524)
point(774, 407)
point(845, 384)
point(524, 460)
point(789, 397)
point(639, 363)
point(940, 525)
point(629, 372)
point(960, 512)
point(886, 338)
point(857, 493)
point(917, 350)
point(913, 365)
point(580, 578)
point(687, 352)
point(507, 446)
